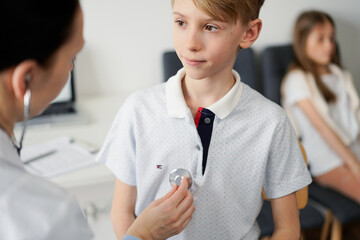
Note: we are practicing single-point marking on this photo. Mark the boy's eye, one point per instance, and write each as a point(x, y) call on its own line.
point(180, 23)
point(210, 28)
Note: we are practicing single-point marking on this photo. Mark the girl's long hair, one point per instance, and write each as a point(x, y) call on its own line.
point(303, 27)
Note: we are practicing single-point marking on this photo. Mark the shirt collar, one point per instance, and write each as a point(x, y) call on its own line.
point(176, 105)
point(8, 151)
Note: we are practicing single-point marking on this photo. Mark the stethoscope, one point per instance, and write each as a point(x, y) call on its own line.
point(27, 99)
point(178, 174)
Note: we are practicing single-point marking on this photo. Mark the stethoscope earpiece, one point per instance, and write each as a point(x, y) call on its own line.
point(27, 100)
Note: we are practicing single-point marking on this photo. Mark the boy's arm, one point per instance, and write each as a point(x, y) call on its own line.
point(123, 208)
point(286, 218)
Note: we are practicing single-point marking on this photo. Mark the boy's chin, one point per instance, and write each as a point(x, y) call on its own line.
point(196, 74)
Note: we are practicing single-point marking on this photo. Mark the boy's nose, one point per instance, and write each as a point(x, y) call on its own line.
point(194, 41)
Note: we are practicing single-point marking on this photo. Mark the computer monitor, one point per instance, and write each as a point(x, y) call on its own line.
point(66, 93)
point(65, 101)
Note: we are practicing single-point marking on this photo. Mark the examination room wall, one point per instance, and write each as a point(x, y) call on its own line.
point(126, 38)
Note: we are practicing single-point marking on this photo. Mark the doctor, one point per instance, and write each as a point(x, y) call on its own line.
point(38, 42)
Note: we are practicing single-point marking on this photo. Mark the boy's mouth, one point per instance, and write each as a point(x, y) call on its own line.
point(193, 62)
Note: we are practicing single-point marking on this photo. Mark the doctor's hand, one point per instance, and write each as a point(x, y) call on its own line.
point(166, 216)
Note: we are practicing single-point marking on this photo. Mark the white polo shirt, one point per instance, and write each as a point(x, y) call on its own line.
point(252, 145)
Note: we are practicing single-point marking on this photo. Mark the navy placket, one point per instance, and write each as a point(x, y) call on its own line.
point(204, 122)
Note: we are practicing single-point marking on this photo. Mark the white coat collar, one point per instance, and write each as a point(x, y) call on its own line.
point(8, 152)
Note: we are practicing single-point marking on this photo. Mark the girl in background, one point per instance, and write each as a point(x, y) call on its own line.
point(320, 99)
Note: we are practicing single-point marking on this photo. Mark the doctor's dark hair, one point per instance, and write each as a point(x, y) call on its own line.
point(34, 29)
point(304, 25)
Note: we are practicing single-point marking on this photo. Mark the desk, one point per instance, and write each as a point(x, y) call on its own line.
point(100, 112)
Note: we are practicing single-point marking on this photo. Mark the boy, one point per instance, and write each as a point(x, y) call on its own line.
point(231, 139)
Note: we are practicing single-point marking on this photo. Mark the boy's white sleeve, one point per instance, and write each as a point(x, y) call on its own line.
point(118, 152)
point(286, 170)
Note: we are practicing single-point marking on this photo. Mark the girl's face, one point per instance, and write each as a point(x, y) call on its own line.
point(320, 44)
point(54, 77)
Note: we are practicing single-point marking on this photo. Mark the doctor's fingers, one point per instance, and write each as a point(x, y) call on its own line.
point(187, 217)
point(180, 193)
point(167, 196)
point(185, 204)
point(181, 220)
point(186, 208)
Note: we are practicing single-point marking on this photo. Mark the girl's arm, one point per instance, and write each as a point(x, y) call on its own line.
point(123, 208)
point(330, 136)
point(286, 218)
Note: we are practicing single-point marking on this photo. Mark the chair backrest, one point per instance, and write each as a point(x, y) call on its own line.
point(171, 64)
point(275, 62)
point(245, 65)
point(301, 195)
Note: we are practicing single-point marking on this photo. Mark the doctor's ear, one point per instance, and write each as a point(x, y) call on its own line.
point(252, 33)
point(22, 77)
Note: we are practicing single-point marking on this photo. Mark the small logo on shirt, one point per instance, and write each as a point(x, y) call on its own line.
point(159, 166)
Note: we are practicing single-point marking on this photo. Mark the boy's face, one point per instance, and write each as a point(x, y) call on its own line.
point(206, 47)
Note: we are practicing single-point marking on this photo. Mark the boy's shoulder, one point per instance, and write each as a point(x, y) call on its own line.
point(253, 98)
point(147, 95)
point(256, 104)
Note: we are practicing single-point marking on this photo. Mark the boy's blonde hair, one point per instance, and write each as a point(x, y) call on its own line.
point(230, 10)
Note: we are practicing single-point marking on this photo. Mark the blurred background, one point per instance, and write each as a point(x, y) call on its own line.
point(125, 39)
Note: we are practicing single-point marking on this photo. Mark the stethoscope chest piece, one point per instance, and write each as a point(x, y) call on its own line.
point(178, 174)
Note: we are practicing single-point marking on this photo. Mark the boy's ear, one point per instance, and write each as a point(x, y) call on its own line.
point(252, 33)
point(22, 73)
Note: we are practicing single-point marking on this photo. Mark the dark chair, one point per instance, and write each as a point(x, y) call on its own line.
point(171, 64)
point(309, 218)
point(244, 65)
point(343, 209)
point(275, 62)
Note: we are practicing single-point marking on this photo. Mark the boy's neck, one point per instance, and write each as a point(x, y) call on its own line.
point(207, 91)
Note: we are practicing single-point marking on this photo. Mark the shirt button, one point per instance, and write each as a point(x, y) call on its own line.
point(197, 147)
point(207, 120)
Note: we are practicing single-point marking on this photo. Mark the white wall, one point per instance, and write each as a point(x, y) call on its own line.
point(125, 39)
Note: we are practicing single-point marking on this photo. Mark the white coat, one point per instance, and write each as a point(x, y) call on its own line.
point(33, 208)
